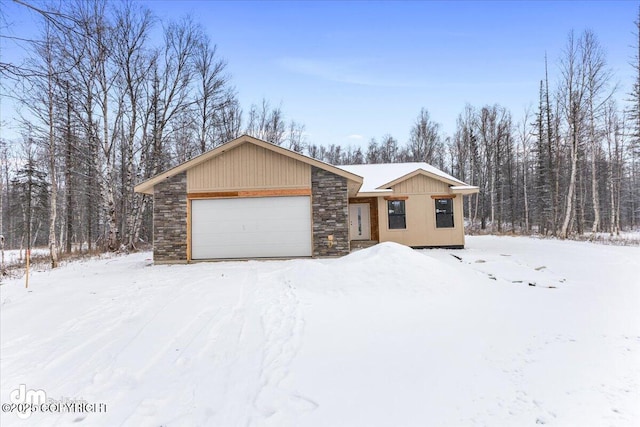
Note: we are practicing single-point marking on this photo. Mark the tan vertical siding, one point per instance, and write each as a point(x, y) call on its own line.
point(421, 223)
point(421, 184)
point(421, 217)
point(248, 167)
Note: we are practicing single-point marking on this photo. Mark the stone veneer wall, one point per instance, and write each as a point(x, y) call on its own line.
point(330, 200)
point(170, 220)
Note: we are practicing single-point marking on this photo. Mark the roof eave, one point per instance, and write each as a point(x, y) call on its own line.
point(416, 172)
point(143, 188)
point(375, 193)
point(464, 189)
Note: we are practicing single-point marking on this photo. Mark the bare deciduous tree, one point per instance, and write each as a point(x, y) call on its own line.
point(573, 96)
point(425, 144)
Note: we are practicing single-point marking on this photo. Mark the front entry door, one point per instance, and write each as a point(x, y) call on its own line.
point(359, 221)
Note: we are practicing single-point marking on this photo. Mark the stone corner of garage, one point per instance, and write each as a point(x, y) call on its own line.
point(170, 220)
point(330, 206)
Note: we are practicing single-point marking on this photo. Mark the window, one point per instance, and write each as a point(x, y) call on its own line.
point(397, 216)
point(444, 213)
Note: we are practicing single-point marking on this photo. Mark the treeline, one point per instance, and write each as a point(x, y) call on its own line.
point(108, 108)
point(104, 109)
point(570, 165)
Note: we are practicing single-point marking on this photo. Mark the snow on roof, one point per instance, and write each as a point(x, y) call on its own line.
point(464, 187)
point(381, 174)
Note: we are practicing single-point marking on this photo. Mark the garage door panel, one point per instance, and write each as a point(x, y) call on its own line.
point(251, 227)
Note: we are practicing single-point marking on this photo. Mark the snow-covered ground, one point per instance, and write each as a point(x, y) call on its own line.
point(509, 332)
point(15, 255)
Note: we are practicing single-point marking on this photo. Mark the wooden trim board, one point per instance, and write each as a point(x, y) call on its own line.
point(251, 193)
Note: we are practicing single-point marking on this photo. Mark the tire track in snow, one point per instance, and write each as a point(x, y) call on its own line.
point(83, 337)
point(210, 343)
point(283, 324)
point(232, 352)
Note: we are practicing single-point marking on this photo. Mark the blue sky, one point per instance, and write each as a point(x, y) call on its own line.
point(351, 71)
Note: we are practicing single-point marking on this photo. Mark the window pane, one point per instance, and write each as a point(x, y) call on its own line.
point(396, 207)
point(397, 217)
point(444, 213)
point(397, 221)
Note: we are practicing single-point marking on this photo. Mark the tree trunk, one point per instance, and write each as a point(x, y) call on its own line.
point(68, 186)
point(572, 187)
point(594, 193)
point(53, 207)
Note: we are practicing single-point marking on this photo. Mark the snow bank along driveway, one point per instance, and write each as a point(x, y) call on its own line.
point(386, 336)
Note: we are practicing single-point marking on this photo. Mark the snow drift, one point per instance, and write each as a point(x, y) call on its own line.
point(384, 336)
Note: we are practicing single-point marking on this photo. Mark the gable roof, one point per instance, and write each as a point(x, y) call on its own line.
point(148, 185)
point(381, 177)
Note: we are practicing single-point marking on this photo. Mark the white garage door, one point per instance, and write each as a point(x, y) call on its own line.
point(251, 227)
